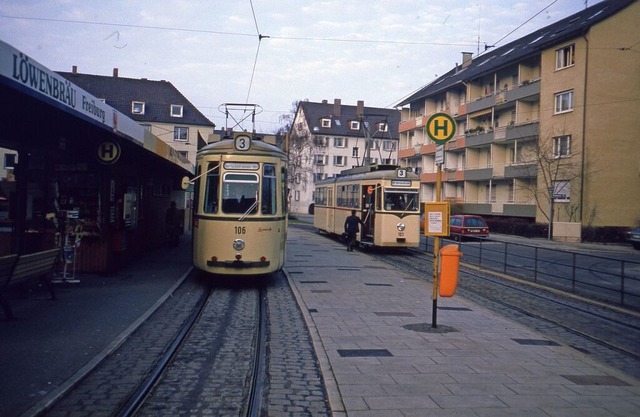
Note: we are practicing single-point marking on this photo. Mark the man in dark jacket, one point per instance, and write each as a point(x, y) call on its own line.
point(351, 228)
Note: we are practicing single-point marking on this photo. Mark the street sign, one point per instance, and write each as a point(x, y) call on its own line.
point(441, 128)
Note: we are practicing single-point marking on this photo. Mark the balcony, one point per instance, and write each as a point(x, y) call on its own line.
point(525, 90)
point(479, 139)
point(522, 131)
point(481, 103)
point(521, 171)
point(480, 174)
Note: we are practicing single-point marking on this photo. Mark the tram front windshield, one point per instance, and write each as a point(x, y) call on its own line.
point(397, 199)
point(240, 193)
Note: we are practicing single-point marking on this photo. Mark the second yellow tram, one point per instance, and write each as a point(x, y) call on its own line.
point(385, 197)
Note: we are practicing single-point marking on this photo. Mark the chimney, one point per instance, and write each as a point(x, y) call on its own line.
point(337, 107)
point(115, 73)
point(324, 101)
point(466, 59)
point(360, 108)
point(74, 69)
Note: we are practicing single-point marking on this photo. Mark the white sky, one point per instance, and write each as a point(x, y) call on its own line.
point(378, 51)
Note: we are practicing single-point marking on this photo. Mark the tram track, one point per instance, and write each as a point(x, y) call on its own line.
point(204, 350)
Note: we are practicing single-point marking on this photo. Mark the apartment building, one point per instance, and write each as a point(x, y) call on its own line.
point(327, 138)
point(157, 105)
point(548, 125)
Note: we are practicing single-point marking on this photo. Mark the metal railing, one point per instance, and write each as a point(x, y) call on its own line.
point(602, 278)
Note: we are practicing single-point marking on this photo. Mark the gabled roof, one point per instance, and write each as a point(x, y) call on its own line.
point(315, 112)
point(527, 46)
point(158, 97)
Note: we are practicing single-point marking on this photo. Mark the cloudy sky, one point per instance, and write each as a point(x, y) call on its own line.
point(378, 51)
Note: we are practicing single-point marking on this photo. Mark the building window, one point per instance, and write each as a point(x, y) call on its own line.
point(383, 127)
point(10, 160)
point(176, 110)
point(320, 159)
point(354, 125)
point(326, 123)
point(339, 160)
point(340, 142)
point(564, 102)
point(354, 152)
point(146, 126)
point(375, 145)
point(388, 145)
point(320, 141)
point(184, 155)
point(137, 107)
point(565, 57)
point(296, 195)
point(181, 134)
point(562, 146)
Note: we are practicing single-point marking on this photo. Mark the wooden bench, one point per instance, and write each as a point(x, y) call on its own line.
point(21, 270)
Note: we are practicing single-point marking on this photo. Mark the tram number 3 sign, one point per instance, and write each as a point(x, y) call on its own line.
point(441, 128)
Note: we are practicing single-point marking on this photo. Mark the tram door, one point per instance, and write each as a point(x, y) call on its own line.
point(368, 212)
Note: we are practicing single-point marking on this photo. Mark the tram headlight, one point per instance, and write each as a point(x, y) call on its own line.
point(238, 244)
point(400, 227)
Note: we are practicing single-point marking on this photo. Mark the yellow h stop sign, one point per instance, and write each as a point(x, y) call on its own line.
point(441, 128)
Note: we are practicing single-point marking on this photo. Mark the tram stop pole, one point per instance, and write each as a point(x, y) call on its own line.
point(436, 256)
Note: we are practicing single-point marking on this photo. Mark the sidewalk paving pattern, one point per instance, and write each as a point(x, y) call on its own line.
point(381, 356)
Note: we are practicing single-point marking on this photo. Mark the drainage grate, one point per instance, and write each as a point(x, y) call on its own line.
point(393, 314)
point(321, 291)
point(455, 308)
point(295, 272)
point(596, 380)
point(364, 353)
point(535, 342)
point(312, 310)
point(348, 269)
point(373, 284)
point(313, 282)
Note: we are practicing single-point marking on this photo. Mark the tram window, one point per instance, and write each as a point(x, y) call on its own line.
point(354, 196)
point(403, 200)
point(239, 193)
point(268, 205)
point(211, 191)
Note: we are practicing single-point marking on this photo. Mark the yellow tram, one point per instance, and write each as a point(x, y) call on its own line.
point(240, 218)
point(385, 197)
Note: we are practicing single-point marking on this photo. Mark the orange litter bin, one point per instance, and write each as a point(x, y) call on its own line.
point(449, 265)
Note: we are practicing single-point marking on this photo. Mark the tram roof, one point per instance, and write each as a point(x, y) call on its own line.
point(370, 172)
point(226, 146)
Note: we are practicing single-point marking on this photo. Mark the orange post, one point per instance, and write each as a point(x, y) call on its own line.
point(449, 265)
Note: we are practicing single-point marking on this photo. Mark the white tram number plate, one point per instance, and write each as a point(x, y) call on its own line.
point(242, 142)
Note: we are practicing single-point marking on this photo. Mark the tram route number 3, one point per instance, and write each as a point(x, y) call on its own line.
point(242, 142)
point(241, 230)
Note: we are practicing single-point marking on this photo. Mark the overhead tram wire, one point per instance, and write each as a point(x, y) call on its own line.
point(213, 32)
point(255, 60)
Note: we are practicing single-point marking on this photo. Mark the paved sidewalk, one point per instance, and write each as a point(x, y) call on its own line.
point(380, 356)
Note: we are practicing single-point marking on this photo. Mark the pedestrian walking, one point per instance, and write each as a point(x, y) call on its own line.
point(351, 228)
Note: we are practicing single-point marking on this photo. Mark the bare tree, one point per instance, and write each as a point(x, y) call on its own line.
point(559, 170)
point(299, 152)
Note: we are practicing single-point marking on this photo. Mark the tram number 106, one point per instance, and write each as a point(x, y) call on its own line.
point(241, 230)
